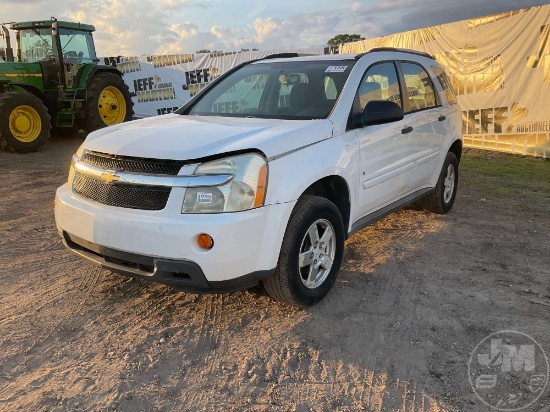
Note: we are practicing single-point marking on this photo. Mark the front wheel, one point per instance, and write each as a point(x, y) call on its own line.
point(311, 253)
point(441, 200)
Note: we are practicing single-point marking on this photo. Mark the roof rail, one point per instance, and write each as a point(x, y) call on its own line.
point(279, 56)
point(395, 49)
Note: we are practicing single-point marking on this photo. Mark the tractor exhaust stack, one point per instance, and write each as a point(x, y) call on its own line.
point(9, 50)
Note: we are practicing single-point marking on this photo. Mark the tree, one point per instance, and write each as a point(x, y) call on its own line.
point(344, 38)
point(341, 39)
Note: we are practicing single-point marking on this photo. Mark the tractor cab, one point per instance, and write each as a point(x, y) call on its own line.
point(61, 48)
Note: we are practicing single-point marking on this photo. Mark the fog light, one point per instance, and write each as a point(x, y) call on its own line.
point(205, 241)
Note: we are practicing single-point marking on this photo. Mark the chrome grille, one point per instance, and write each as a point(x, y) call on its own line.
point(127, 196)
point(133, 164)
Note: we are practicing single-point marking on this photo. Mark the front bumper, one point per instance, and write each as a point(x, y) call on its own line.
point(161, 245)
point(180, 274)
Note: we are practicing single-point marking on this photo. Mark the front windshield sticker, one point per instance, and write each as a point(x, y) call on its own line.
point(336, 69)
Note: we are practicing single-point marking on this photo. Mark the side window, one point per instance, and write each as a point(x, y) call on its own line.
point(379, 83)
point(330, 88)
point(77, 47)
point(36, 45)
point(419, 85)
point(445, 84)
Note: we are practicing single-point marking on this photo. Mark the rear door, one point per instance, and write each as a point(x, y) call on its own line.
point(427, 117)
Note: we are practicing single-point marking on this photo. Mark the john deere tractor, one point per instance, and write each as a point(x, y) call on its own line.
point(56, 82)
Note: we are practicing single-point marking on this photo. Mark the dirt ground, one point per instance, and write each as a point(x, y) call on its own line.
point(416, 294)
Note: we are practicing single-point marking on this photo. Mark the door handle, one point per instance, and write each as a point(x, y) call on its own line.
point(441, 118)
point(407, 130)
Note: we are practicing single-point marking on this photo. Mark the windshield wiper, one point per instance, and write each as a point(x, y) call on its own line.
point(45, 41)
point(70, 40)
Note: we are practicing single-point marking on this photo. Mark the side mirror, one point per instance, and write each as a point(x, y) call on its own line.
point(379, 112)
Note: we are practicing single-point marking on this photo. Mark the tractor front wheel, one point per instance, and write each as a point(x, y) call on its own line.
point(109, 102)
point(24, 122)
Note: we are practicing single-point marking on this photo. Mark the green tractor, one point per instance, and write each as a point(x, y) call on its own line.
point(56, 82)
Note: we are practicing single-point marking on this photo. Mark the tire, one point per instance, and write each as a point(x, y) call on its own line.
point(441, 200)
point(109, 102)
point(24, 122)
point(293, 282)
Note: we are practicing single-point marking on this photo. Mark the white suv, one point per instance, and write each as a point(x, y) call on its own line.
point(263, 175)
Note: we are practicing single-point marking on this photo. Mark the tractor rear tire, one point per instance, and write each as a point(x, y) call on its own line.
point(109, 102)
point(24, 122)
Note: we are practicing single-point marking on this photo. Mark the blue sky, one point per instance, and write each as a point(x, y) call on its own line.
point(135, 27)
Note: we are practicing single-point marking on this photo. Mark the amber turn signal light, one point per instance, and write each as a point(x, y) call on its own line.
point(262, 183)
point(205, 241)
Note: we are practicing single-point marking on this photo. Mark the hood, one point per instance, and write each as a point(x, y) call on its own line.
point(178, 137)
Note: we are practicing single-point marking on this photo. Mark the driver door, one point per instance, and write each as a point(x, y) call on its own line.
point(385, 164)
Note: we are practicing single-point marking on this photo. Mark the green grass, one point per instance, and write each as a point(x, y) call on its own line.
point(504, 176)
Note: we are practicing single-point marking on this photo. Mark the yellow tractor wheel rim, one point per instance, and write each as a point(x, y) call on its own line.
point(25, 123)
point(111, 106)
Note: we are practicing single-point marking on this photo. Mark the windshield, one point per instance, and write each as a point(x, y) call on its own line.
point(279, 90)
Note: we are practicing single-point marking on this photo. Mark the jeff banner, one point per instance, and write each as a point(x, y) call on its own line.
point(500, 70)
point(161, 84)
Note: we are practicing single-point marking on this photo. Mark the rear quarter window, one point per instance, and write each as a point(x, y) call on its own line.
point(419, 86)
point(445, 84)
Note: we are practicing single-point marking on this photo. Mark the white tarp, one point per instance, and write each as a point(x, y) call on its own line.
point(500, 70)
point(160, 84)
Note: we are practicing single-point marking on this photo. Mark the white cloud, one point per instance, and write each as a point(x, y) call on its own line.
point(186, 38)
point(238, 38)
point(266, 28)
point(301, 30)
point(124, 27)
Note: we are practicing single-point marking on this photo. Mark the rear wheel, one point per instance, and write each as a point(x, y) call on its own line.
point(109, 102)
point(24, 122)
point(441, 200)
point(311, 253)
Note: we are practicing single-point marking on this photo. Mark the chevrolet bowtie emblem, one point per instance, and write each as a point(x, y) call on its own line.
point(110, 177)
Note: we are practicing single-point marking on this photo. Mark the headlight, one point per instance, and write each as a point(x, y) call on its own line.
point(80, 151)
point(245, 191)
point(78, 155)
